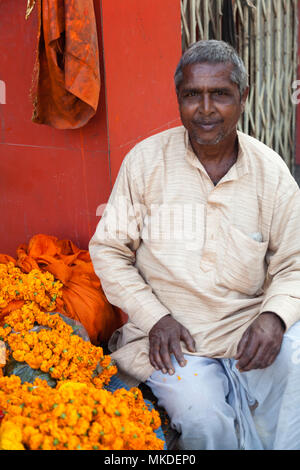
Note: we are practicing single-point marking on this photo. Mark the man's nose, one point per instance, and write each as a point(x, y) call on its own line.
point(206, 104)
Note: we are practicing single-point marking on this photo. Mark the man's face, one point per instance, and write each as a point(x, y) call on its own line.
point(210, 104)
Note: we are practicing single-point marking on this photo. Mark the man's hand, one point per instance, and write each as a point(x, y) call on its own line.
point(261, 342)
point(164, 339)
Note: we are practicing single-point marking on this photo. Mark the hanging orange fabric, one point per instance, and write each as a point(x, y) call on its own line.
point(83, 298)
point(67, 76)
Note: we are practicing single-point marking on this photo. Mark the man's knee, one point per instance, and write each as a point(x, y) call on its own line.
point(211, 426)
point(196, 414)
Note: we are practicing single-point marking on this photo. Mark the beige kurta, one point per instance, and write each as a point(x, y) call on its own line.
point(214, 257)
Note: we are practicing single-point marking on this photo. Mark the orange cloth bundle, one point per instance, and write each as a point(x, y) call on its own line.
point(83, 298)
point(67, 71)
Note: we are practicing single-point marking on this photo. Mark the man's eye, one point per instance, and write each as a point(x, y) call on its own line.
point(192, 93)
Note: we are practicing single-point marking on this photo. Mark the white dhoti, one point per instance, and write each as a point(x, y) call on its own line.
point(215, 407)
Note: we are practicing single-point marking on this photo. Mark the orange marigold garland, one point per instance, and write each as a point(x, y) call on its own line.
point(55, 349)
point(75, 416)
point(37, 287)
point(46, 342)
point(78, 413)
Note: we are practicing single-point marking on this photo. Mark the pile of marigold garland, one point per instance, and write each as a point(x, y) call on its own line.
point(76, 413)
point(74, 416)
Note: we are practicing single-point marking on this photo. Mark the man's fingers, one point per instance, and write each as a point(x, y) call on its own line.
point(177, 351)
point(258, 360)
point(153, 362)
point(159, 363)
point(263, 344)
point(188, 339)
point(166, 359)
point(176, 347)
point(270, 357)
point(264, 357)
point(160, 358)
point(164, 339)
point(154, 356)
point(248, 353)
point(242, 344)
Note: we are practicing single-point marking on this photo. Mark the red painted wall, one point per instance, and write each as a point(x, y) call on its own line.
point(52, 181)
point(141, 54)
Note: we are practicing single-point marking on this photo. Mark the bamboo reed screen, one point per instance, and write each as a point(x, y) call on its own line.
point(267, 40)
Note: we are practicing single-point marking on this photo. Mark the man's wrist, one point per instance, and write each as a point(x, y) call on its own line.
point(277, 316)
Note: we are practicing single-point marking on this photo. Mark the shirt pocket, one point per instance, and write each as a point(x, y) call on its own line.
point(243, 265)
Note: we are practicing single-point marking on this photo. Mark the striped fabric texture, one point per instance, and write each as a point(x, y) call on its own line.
point(214, 257)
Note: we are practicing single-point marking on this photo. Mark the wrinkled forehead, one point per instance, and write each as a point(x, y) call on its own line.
point(208, 75)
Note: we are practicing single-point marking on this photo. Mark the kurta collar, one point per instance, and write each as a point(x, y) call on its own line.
point(239, 169)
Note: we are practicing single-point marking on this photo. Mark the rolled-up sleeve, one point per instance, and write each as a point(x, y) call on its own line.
point(112, 249)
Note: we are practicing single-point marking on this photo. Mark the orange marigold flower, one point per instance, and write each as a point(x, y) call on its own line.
point(78, 413)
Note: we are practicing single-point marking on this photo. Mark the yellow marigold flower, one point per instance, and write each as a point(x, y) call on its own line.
point(72, 386)
point(35, 441)
point(10, 436)
point(3, 302)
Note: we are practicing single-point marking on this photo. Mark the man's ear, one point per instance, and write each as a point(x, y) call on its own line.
point(244, 98)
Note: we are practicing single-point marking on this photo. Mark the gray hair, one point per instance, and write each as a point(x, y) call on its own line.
point(213, 52)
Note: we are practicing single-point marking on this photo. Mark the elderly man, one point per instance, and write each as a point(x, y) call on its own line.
point(200, 246)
